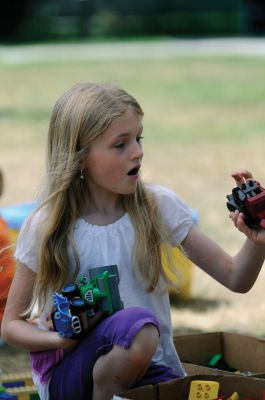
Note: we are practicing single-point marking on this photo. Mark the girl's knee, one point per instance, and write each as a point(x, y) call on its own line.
point(145, 343)
point(129, 362)
point(122, 367)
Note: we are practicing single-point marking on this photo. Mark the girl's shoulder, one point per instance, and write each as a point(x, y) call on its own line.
point(32, 224)
point(169, 202)
point(27, 246)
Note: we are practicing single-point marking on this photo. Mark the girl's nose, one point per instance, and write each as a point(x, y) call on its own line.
point(137, 151)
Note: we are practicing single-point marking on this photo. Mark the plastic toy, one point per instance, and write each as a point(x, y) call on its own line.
point(67, 316)
point(18, 386)
point(200, 390)
point(17, 380)
point(23, 393)
point(217, 361)
point(99, 292)
point(249, 198)
point(7, 396)
point(233, 396)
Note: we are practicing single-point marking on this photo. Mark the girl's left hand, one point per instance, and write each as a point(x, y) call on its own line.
point(242, 176)
point(254, 234)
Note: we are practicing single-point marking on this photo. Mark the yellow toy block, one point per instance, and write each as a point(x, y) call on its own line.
point(203, 390)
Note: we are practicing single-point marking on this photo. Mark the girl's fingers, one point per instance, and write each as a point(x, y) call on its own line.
point(238, 220)
point(234, 217)
point(242, 176)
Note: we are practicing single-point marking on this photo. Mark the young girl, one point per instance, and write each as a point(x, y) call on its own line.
point(96, 211)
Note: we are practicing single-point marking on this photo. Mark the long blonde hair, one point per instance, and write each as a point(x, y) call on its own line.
point(82, 114)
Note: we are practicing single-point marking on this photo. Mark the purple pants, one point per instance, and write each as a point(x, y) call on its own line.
point(72, 379)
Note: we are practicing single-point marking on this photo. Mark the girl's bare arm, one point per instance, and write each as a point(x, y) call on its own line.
point(19, 332)
point(237, 273)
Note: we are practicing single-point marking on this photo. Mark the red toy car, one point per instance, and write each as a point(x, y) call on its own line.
point(249, 198)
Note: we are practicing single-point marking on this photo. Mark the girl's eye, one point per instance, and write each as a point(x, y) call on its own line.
point(119, 145)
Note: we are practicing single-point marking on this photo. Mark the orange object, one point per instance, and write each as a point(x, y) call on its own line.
point(7, 265)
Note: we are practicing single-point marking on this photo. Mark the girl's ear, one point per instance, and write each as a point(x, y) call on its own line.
point(82, 165)
point(83, 160)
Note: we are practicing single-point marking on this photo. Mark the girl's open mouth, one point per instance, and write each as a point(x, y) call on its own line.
point(133, 171)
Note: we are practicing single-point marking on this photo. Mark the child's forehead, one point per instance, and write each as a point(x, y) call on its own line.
point(126, 123)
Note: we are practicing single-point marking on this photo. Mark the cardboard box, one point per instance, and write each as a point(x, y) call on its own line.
point(244, 353)
point(148, 392)
point(178, 389)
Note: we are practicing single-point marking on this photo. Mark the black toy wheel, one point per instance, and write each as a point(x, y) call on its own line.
point(77, 306)
point(70, 291)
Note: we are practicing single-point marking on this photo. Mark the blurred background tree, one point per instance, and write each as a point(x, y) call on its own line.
point(48, 20)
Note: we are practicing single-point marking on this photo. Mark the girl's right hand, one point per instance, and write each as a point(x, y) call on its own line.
point(67, 344)
point(93, 321)
point(70, 344)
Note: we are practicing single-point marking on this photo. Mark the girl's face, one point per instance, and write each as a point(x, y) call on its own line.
point(113, 162)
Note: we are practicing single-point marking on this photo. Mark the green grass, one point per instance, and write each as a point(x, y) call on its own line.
point(186, 99)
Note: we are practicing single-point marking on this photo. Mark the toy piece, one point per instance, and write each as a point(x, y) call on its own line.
point(102, 291)
point(18, 386)
point(217, 361)
point(20, 393)
point(76, 304)
point(233, 396)
point(23, 393)
point(6, 396)
point(2, 389)
point(249, 198)
point(17, 379)
point(67, 316)
point(200, 390)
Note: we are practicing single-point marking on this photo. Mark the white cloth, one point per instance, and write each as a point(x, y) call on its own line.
point(112, 245)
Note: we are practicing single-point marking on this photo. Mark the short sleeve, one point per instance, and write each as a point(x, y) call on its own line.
point(28, 242)
point(175, 213)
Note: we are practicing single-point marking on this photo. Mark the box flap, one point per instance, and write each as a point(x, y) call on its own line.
point(195, 369)
point(147, 392)
point(246, 353)
point(194, 348)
